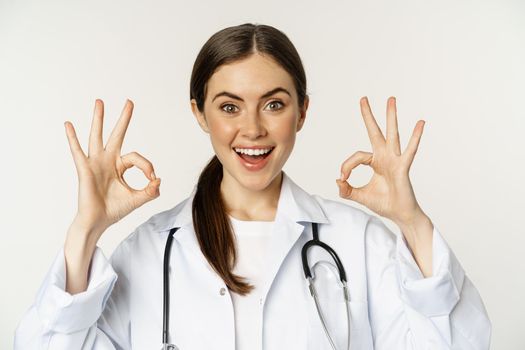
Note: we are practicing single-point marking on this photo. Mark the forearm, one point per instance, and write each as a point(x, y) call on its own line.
point(79, 247)
point(418, 234)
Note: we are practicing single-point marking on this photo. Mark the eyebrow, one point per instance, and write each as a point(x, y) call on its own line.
point(266, 94)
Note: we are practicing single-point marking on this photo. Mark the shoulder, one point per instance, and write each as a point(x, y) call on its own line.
point(374, 229)
point(150, 231)
point(338, 212)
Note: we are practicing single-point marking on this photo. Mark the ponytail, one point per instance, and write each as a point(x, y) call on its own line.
point(213, 227)
point(210, 220)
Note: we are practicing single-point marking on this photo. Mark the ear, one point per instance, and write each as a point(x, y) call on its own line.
point(302, 116)
point(201, 119)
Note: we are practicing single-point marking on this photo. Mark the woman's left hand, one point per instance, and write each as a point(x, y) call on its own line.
point(389, 193)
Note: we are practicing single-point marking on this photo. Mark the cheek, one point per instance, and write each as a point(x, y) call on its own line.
point(221, 132)
point(284, 131)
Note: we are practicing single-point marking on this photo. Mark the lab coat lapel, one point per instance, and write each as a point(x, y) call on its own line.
point(296, 209)
point(179, 216)
point(197, 288)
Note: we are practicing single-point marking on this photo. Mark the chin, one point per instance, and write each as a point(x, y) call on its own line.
point(256, 181)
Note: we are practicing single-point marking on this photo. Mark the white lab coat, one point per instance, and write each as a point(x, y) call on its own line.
point(392, 305)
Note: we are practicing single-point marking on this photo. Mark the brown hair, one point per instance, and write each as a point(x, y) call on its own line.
point(210, 220)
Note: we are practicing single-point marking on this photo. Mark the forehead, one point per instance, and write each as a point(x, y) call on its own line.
point(250, 77)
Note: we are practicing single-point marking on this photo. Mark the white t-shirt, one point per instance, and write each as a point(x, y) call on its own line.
point(252, 241)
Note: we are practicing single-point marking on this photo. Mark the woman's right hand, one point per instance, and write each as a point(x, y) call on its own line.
point(104, 196)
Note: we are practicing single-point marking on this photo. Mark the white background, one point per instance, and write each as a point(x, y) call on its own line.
point(459, 65)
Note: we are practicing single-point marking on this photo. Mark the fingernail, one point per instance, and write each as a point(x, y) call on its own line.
point(342, 176)
point(153, 175)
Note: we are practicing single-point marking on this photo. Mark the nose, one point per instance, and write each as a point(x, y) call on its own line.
point(253, 126)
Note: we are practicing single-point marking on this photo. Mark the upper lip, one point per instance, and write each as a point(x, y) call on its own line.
point(254, 147)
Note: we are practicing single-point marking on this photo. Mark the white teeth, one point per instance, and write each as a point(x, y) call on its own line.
point(252, 152)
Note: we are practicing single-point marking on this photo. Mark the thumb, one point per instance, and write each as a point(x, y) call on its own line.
point(348, 192)
point(150, 192)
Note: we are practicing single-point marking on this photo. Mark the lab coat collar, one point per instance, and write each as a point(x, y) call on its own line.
point(295, 205)
point(295, 209)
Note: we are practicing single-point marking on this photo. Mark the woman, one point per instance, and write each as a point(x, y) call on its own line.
point(235, 271)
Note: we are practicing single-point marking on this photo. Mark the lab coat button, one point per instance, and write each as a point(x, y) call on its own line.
point(222, 291)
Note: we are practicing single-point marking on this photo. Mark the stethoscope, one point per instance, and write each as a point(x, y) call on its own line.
point(307, 272)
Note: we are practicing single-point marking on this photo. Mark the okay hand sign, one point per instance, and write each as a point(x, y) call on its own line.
point(104, 196)
point(389, 193)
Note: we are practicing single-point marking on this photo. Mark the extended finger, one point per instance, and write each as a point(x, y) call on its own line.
point(353, 161)
point(95, 135)
point(117, 135)
point(411, 149)
point(135, 159)
point(374, 132)
point(78, 155)
point(392, 133)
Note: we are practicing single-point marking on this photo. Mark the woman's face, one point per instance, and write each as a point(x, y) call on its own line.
point(251, 104)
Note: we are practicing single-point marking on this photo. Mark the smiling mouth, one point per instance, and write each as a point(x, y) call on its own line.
point(253, 158)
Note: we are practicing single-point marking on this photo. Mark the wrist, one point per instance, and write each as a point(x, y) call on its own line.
point(412, 220)
point(418, 229)
point(87, 227)
point(80, 234)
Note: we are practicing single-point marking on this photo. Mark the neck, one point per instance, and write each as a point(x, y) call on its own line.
point(248, 204)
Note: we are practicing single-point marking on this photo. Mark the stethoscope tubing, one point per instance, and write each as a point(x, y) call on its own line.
point(166, 292)
point(307, 272)
point(342, 277)
point(316, 242)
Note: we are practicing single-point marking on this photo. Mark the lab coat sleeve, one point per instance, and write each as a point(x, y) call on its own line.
point(409, 311)
point(94, 319)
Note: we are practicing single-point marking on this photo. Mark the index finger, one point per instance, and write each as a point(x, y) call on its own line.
point(119, 131)
point(76, 150)
point(374, 133)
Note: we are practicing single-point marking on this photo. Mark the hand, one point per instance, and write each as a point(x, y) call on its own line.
point(389, 193)
point(104, 196)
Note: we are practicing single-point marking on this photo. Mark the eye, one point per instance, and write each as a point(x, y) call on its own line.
point(276, 103)
point(229, 110)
